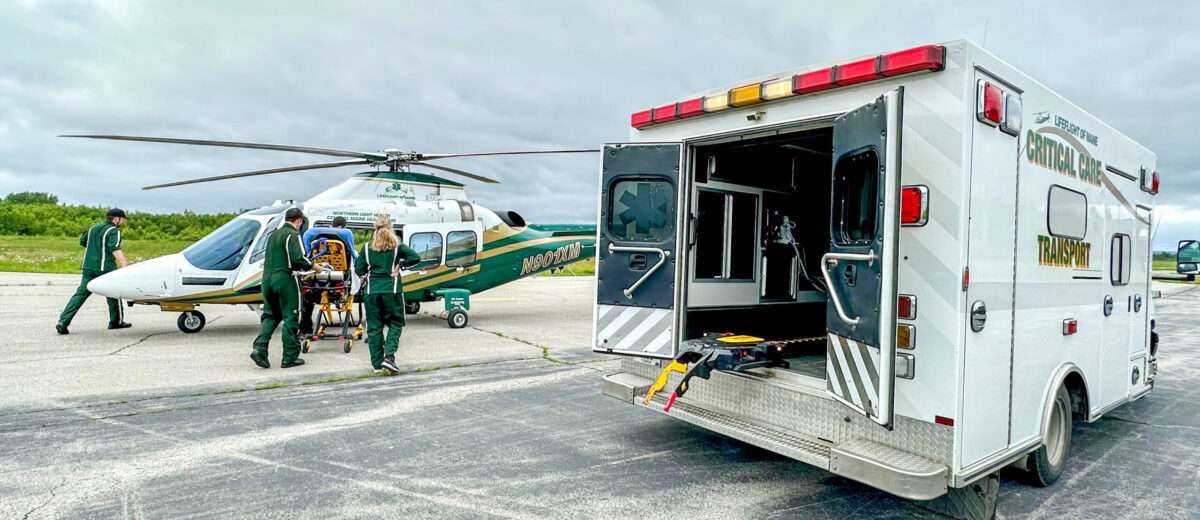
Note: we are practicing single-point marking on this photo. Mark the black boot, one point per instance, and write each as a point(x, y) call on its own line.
point(121, 325)
point(61, 329)
point(260, 358)
point(293, 363)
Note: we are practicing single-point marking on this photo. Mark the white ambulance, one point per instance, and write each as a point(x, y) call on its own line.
point(911, 269)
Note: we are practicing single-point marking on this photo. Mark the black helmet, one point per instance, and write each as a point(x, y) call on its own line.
point(116, 212)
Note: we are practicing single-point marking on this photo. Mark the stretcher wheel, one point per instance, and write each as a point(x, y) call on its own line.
point(457, 318)
point(190, 322)
point(346, 348)
point(304, 346)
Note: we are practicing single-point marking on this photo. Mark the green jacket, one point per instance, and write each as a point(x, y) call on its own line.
point(285, 254)
point(377, 267)
point(100, 241)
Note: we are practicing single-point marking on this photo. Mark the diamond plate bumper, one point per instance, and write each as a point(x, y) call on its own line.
point(897, 472)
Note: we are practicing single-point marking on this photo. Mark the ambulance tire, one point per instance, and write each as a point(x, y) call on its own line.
point(1048, 462)
point(190, 322)
point(412, 307)
point(457, 318)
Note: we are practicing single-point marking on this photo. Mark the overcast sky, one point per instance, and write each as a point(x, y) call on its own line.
point(445, 76)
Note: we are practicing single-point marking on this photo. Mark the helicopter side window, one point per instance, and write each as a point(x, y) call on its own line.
point(460, 248)
point(260, 249)
point(429, 246)
point(223, 249)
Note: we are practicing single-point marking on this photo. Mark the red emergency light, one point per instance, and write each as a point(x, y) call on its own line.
point(1070, 326)
point(690, 108)
point(856, 72)
point(926, 57)
point(663, 114)
point(914, 205)
point(1154, 183)
point(990, 104)
point(906, 306)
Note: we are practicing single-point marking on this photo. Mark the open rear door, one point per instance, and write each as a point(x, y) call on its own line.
point(636, 254)
point(860, 268)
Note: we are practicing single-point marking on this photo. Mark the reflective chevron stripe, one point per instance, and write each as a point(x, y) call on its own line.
point(633, 329)
point(853, 373)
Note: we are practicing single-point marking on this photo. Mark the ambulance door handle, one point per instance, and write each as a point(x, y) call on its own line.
point(829, 260)
point(662, 258)
point(978, 315)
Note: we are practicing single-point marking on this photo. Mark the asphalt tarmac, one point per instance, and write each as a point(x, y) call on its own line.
point(518, 429)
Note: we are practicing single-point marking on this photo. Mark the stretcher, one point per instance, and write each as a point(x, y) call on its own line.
point(333, 293)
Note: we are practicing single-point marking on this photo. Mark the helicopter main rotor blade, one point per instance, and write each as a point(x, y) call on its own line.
point(432, 156)
point(336, 164)
point(457, 171)
point(235, 144)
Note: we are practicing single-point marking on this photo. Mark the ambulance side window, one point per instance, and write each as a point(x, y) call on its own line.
point(1120, 256)
point(855, 181)
point(1066, 213)
point(429, 246)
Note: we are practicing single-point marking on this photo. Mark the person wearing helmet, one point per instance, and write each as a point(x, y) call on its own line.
point(281, 291)
point(102, 246)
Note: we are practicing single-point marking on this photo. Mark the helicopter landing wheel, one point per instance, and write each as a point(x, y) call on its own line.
point(412, 307)
point(457, 318)
point(191, 322)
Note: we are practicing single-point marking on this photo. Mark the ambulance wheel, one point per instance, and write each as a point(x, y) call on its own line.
point(346, 347)
point(457, 318)
point(304, 345)
point(191, 322)
point(412, 307)
point(1047, 463)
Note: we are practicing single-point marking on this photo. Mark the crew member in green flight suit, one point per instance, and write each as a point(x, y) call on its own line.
point(281, 291)
point(103, 245)
point(380, 264)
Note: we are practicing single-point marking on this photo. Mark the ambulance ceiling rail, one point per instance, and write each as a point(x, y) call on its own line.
point(927, 57)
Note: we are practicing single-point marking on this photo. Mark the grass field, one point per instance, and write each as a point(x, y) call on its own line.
point(1164, 265)
point(63, 255)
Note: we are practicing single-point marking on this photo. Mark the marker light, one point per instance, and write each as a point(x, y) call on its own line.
point(777, 89)
point(906, 336)
point(812, 81)
point(1070, 326)
point(1154, 183)
point(747, 95)
point(856, 72)
point(989, 103)
point(716, 102)
point(928, 57)
point(945, 421)
point(663, 114)
point(640, 119)
point(906, 307)
point(914, 205)
point(689, 108)
point(1012, 115)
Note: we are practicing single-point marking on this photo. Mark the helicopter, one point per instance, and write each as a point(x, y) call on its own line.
point(465, 248)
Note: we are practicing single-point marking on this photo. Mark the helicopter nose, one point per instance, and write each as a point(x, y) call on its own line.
point(148, 280)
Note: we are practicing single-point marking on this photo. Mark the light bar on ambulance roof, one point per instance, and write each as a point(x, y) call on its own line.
point(927, 57)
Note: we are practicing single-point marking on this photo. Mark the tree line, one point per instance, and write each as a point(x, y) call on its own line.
point(39, 214)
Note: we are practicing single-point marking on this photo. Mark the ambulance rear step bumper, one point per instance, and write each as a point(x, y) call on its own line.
point(889, 469)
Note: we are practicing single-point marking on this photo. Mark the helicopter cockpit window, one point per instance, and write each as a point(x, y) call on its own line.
point(429, 246)
point(260, 249)
point(223, 249)
point(460, 248)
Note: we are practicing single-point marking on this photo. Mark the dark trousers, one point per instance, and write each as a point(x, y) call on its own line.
point(281, 304)
point(81, 295)
point(384, 310)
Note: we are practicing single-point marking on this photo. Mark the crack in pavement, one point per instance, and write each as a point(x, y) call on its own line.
point(1152, 425)
point(148, 336)
point(53, 491)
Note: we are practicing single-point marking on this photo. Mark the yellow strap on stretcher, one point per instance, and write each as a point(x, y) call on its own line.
point(662, 379)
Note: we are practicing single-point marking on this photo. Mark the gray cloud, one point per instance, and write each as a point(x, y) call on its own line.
point(478, 76)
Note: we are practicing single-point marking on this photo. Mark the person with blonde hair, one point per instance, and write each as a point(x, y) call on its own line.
point(379, 264)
